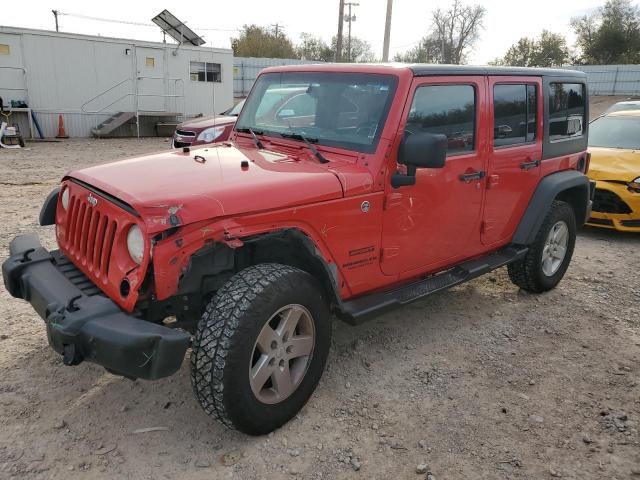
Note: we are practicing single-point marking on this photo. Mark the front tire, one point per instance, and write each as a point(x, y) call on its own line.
point(549, 256)
point(260, 348)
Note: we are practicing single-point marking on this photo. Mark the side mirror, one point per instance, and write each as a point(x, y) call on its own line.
point(419, 150)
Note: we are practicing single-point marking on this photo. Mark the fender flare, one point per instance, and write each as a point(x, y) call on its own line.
point(549, 188)
point(48, 211)
point(331, 278)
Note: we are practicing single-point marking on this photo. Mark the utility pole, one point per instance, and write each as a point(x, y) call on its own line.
point(339, 38)
point(276, 28)
point(55, 14)
point(387, 32)
point(350, 18)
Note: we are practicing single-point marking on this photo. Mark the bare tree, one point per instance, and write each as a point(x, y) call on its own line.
point(456, 30)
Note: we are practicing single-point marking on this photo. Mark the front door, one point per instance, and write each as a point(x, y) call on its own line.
point(515, 154)
point(151, 81)
point(437, 221)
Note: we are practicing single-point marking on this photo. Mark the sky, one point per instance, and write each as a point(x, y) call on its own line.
point(506, 20)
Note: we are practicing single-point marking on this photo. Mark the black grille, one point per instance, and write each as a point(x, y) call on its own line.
point(606, 201)
point(185, 133)
point(630, 223)
point(601, 221)
point(76, 277)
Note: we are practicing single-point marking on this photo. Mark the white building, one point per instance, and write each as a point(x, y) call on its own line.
point(101, 85)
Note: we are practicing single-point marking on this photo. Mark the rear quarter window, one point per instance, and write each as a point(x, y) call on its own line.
point(566, 110)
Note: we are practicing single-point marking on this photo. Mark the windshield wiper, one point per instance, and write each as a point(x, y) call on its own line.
point(253, 134)
point(312, 147)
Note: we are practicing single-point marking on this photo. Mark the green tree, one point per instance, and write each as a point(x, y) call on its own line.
point(550, 50)
point(314, 48)
point(361, 51)
point(427, 51)
point(453, 34)
point(610, 35)
point(255, 41)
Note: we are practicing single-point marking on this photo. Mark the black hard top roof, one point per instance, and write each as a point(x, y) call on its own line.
point(425, 69)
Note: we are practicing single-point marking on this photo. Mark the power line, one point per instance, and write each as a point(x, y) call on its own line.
point(137, 24)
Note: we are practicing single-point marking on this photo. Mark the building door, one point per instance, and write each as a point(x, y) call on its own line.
point(437, 221)
point(514, 155)
point(151, 83)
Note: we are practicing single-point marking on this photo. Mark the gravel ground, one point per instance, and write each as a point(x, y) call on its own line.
point(481, 382)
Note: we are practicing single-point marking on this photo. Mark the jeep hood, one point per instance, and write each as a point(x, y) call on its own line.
point(211, 182)
point(614, 164)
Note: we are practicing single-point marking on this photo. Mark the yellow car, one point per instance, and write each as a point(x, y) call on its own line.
point(614, 144)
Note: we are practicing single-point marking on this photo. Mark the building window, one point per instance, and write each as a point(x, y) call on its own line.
point(205, 72)
point(514, 114)
point(150, 62)
point(566, 110)
point(446, 109)
point(4, 49)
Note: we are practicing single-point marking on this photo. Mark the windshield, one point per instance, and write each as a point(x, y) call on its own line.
point(235, 111)
point(615, 132)
point(335, 109)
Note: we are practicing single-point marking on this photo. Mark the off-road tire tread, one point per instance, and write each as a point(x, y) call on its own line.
point(523, 272)
point(220, 322)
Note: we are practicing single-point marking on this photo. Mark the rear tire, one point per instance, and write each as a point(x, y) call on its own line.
point(260, 347)
point(549, 255)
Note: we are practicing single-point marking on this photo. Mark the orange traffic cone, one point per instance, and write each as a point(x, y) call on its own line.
point(61, 131)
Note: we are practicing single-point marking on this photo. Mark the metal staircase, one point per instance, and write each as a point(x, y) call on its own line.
point(117, 119)
point(113, 122)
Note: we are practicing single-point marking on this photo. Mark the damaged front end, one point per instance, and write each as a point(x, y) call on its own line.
point(82, 323)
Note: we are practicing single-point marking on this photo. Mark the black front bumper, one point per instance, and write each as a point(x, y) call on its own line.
point(83, 324)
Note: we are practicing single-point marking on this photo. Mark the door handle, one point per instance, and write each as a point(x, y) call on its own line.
point(530, 165)
point(468, 177)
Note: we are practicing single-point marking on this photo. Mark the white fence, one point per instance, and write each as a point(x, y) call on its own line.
point(246, 70)
point(611, 79)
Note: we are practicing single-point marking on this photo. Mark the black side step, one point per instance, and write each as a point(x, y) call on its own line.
point(362, 308)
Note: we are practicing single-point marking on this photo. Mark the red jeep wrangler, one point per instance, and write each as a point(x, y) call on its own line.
point(378, 186)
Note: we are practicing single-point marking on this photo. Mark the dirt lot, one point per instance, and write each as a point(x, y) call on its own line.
point(480, 382)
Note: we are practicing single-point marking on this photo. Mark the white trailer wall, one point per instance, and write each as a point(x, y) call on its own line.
point(87, 78)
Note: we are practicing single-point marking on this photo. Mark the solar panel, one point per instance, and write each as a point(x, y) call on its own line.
point(176, 29)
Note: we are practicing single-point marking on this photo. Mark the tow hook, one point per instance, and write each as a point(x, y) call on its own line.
point(70, 356)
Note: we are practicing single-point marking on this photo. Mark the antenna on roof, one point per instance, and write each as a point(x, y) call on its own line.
point(176, 29)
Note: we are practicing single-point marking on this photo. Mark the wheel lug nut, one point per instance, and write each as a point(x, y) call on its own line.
point(274, 345)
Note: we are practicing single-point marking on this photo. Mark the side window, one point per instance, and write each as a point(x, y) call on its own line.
point(447, 109)
point(514, 114)
point(566, 110)
point(205, 72)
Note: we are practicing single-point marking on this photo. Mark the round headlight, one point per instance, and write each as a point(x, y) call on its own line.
point(65, 199)
point(135, 244)
point(210, 134)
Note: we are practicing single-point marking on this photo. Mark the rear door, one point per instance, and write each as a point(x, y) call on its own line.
point(437, 221)
point(151, 81)
point(515, 152)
